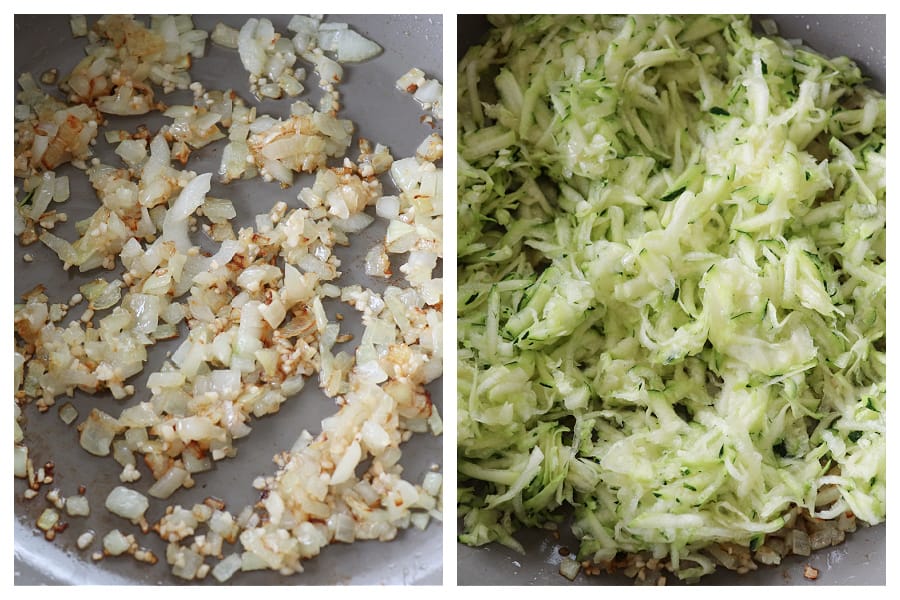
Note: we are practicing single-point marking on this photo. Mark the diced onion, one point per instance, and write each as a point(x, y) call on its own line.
point(569, 568)
point(20, 461)
point(48, 519)
point(115, 543)
point(227, 567)
point(127, 503)
point(78, 506)
point(253, 307)
point(166, 485)
point(68, 413)
point(225, 36)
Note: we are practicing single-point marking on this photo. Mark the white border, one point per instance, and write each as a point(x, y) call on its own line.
point(449, 10)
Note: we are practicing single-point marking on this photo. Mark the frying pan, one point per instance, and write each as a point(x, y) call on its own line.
point(381, 114)
point(858, 561)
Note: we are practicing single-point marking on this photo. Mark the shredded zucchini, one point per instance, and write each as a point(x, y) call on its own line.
point(671, 284)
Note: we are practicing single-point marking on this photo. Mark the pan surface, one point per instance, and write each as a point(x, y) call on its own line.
point(381, 114)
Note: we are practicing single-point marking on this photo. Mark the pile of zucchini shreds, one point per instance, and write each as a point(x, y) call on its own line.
point(671, 288)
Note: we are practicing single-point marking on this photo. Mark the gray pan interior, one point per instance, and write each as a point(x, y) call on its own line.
point(861, 560)
point(382, 114)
